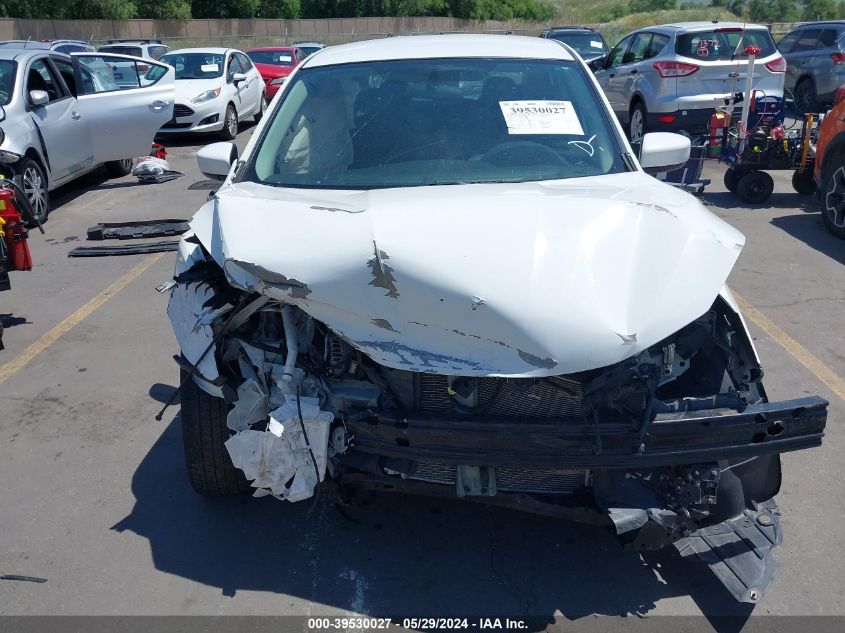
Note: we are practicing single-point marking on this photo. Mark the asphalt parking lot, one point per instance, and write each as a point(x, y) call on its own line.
point(95, 498)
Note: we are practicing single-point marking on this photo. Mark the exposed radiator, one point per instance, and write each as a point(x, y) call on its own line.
point(510, 479)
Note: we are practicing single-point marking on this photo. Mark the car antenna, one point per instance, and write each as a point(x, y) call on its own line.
point(29, 37)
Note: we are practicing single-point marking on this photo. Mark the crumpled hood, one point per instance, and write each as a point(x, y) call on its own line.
point(530, 279)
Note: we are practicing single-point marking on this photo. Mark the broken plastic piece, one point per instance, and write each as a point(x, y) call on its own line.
point(279, 459)
point(138, 229)
point(127, 249)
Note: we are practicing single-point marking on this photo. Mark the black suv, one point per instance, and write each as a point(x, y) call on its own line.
point(589, 44)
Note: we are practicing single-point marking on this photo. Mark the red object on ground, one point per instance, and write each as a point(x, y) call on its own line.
point(159, 151)
point(15, 232)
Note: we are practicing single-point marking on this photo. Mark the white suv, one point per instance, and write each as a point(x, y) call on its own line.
point(670, 77)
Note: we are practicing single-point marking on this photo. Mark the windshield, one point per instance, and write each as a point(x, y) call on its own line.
point(132, 51)
point(583, 43)
point(7, 80)
point(724, 44)
point(276, 58)
point(431, 122)
point(195, 65)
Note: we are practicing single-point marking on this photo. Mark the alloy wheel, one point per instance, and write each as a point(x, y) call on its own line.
point(835, 199)
point(35, 190)
point(636, 126)
point(232, 122)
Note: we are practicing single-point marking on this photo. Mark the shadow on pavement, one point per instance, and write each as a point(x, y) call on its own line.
point(396, 556)
point(791, 201)
point(810, 229)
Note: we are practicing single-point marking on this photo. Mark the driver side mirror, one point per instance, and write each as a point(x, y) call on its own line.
point(216, 160)
point(597, 64)
point(238, 78)
point(664, 151)
point(39, 97)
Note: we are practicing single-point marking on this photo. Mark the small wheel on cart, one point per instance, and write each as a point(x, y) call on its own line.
point(732, 179)
point(755, 187)
point(803, 183)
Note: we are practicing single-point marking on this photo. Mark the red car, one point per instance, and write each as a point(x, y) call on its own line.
point(275, 63)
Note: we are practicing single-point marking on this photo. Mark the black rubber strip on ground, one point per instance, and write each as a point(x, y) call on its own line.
point(137, 229)
point(127, 249)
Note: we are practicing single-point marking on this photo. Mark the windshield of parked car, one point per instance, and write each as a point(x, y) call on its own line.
point(133, 51)
point(7, 80)
point(724, 44)
point(583, 43)
point(275, 58)
point(195, 65)
point(437, 121)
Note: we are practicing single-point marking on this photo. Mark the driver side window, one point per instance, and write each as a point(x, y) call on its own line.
point(617, 54)
point(234, 67)
point(41, 77)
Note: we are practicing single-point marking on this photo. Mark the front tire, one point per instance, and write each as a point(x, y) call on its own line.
point(833, 202)
point(262, 108)
point(32, 180)
point(731, 179)
point(119, 168)
point(204, 433)
point(755, 187)
point(230, 124)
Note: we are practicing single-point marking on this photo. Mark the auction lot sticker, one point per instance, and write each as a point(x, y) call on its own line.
point(541, 117)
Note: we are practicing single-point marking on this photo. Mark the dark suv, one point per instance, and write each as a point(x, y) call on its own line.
point(589, 44)
point(815, 63)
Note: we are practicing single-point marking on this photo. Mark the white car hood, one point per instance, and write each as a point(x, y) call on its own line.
point(532, 279)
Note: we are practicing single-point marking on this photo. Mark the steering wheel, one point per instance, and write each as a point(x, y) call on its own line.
point(529, 149)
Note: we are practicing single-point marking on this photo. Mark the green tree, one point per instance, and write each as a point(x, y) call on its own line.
point(226, 9)
point(821, 10)
point(279, 9)
point(644, 6)
point(164, 9)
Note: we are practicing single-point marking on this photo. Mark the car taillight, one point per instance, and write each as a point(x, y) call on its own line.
point(839, 95)
point(142, 68)
point(838, 58)
point(777, 65)
point(666, 118)
point(674, 69)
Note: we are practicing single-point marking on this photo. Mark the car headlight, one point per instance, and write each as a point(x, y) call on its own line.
point(278, 81)
point(208, 95)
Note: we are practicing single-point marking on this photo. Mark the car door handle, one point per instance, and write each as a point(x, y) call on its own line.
point(158, 104)
point(75, 115)
point(633, 72)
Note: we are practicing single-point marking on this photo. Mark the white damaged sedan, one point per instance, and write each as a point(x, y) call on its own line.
point(438, 269)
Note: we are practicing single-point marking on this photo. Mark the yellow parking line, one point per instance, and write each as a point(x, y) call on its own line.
point(27, 355)
point(834, 381)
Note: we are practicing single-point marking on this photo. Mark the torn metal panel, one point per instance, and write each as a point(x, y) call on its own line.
point(571, 280)
point(283, 459)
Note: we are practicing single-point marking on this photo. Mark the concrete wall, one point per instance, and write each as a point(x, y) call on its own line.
point(334, 30)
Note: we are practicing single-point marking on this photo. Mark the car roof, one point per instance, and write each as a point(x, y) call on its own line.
point(23, 54)
point(439, 47)
point(214, 50)
point(821, 24)
point(272, 48)
point(579, 29)
point(709, 26)
point(309, 44)
point(40, 45)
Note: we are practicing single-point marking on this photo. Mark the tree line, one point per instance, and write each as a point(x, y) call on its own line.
point(288, 9)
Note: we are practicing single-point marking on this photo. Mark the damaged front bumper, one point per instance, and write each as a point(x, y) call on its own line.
point(675, 444)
